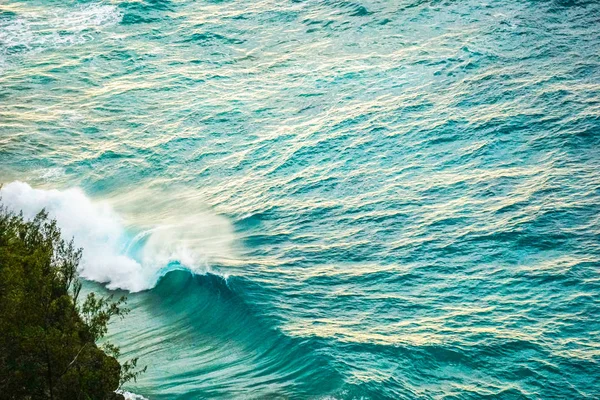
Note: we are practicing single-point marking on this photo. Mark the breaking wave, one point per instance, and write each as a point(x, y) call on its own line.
point(116, 255)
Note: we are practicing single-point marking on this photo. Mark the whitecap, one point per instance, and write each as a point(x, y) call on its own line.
point(113, 254)
point(54, 27)
point(131, 396)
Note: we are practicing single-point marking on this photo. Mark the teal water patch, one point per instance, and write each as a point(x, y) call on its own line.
point(376, 199)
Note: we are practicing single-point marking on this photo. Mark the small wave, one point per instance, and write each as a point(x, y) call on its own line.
point(112, 254)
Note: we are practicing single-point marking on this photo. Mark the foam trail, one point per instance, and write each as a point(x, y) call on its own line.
point(101, 232)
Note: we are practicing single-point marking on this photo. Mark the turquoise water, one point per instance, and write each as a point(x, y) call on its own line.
point(322, 199)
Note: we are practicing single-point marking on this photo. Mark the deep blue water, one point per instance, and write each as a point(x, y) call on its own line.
point(322, 199)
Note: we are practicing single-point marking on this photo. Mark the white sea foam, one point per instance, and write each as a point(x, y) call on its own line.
point(49, 174)
point(111, 253)
point(54, 27)
point(131, 396)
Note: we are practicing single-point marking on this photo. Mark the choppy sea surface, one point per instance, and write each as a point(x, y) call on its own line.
point(322, 199)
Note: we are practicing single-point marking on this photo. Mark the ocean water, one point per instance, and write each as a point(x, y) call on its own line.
point(322, 199)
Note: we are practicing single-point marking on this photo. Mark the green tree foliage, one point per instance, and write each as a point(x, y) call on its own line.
point(47, 334)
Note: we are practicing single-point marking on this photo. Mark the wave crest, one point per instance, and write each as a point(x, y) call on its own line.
point(115, 255)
